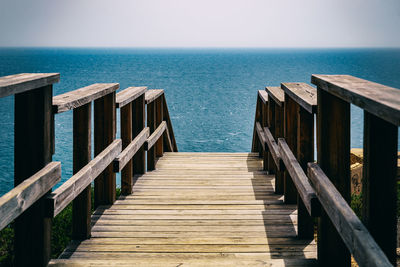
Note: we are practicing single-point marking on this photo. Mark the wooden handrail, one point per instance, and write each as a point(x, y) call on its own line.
point(277, 94)
point(153, 94)
point(260, 134)
point(69, 190)
point(20, 198)
point(155, 136)
point(170, 130)
point(354, 234)
point(128, 95)
point(303, 94)
point(273, 148)
point(263, 95)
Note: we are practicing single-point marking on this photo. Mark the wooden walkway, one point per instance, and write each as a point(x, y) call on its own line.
point(196, 209)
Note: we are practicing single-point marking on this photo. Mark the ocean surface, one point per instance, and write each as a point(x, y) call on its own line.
point(211, 93)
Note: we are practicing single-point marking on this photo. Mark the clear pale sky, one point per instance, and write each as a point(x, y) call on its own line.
point(200, 23)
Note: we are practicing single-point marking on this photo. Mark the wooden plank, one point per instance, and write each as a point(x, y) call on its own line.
point(167, 141)
point(122, 159)
point(260, 134)
point(63, 195)
point(138, 124)
point(379, 100)
point(82, 154)
point(277, 94)
point(169, 124)
point(303, 94)
point(304, 188)
point(354, 234)
point(279, 132)
point(263, 96)
point(20, 198)
point(255, 146)
point(153, 94)
point(273, 148)
point(379, 189)
point(126, 136)
point(128, 95)
point(151, 123)
point(333, 145)
point(152, 139)
point(82, 96)
point(159, 145)
point(19, 83)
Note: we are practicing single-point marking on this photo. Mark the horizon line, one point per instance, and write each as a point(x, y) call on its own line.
point(210, 47)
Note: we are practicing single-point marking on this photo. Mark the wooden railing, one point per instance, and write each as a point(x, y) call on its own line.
point(31, 203)
point(340, 232)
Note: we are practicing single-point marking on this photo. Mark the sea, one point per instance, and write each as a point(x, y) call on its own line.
point(211, 93)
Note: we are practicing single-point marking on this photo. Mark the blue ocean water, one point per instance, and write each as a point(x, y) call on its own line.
point(211, 93)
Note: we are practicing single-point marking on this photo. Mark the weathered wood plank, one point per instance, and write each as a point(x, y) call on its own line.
point(138, 124)
point(20, 198)
point(152, 139)
point(303, 94)
point(153, 94)
point(169, 124)
point(354, 234)
point(128, 95)
point(277, 94)
point(19, 83)
point(273, 148)
point(304, 188)
point(263, 96)
point(82, 96)
point(63, 195)
point(159, 145)
point(380, 100)
point(126, 136)
point(122, 159)
point(151, 123)
point(260, 134)
point(167, 141)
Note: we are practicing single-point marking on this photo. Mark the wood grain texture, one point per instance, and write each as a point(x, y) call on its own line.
point(63, 195)
point(260, 134)
point(153, 94)
point(380, 100)
point(263, 96)
point(273, 148)
point(151, 123)
point(159, 145)
point(122, 159)
point(354, 234)
point(82, 96)
point(126, 136)
point(155, 136)
point(303, 94)
point(20, 198)
point(276, 94)
point(128, 95)
point(19, 83)
point(138, 124)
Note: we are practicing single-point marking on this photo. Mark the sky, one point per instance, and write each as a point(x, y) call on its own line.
point(200, 23)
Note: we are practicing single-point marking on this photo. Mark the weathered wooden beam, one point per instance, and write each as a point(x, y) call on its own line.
point(20, 198)
point(276, 94)
point(303, 94)
point(155, 136)
point(68, 191)
point(304, 188)
point(379, 100)
point(260, 134)
point(263, 95)
point(169, 124)
point(255, 146)
point(159, 119)
point(82, 96)
point(128, 95)
point(354, 234)
point(19, 83)
point(138, 124)
point(167, 140)
point(151, 123)
point(153, 94)
point(122, 159)
point(273, 148)
point(279, 132)
point(126, 136)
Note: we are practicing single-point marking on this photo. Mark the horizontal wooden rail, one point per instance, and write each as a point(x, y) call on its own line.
point(19, 83)
point(153, 94)
point(260, 134)
point(153, 138)
point(69, 190)
point(82, 96)
point(263, 96)
point(168, 142)
point(170, 130)
point(277, 94)
point(273, 148)
point(300, 180)
point(20, 198)
point(303, 94)
point(354, 234)
point(128, 95)
point(126, 155)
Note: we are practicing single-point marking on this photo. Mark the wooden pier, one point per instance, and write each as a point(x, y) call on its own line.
point(204, 209)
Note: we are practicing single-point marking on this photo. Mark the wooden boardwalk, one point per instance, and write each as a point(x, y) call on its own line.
point(196, 209)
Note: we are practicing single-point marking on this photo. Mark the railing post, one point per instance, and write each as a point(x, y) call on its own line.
point(159, 119)
point(138, 124)
point(379, 189)
point(126, 136)
point(333, 145)
point(151, 123)
point(290, 132)
point(279, 123)
point(33, 150)
point(81, 212)
point(104, 134)
point(267, 121)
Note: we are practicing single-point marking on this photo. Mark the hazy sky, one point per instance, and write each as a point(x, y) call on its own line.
point(200, 23)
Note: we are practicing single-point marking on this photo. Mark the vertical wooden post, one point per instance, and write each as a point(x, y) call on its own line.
point(290, 133)
point(81, 212)
point(33, 150)
point(333, 145)
point(151, 123)
point(159, 119)
point(126, 136)
point(138, 124)
point(279, 125)
point(379, 189)
point(305, 154)
point(269, 115)
point(256, 143)
point(104, 134)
